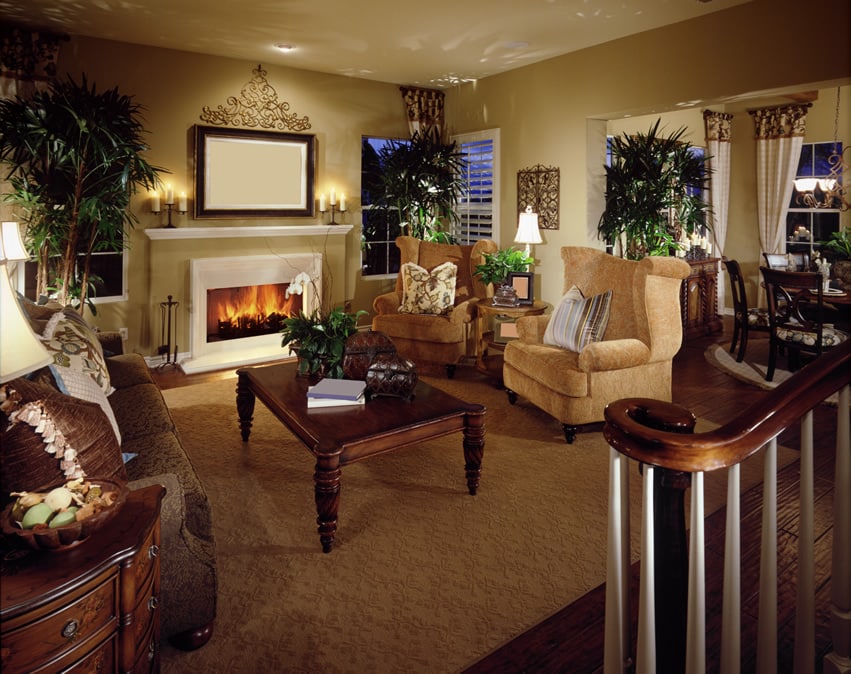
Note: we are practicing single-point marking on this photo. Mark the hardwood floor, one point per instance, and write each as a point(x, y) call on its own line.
point(572, 639)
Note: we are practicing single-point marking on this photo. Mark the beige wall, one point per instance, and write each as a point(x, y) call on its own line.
point(556, 113)
point(553, 113)
point(173, 87)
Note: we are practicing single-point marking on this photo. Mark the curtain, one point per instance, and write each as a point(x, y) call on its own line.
point(27, 60)
point(424, 108)
point(718, 133)
point(779, 136)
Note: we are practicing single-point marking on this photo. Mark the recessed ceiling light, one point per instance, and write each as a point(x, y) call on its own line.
point(283, 46)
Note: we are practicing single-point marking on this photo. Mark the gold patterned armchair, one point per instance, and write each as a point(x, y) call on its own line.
point(433, 328)
point(630, 356)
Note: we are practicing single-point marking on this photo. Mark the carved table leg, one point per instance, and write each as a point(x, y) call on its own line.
point(244, 405)
point(474, 448)
point(327, 485)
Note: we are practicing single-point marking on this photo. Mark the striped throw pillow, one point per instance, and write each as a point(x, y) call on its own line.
point(578, 320)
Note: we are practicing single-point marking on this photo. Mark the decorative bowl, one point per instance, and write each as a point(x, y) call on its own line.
point(69, 535)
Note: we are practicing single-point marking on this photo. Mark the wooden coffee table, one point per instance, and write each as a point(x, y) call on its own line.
point(338, 436)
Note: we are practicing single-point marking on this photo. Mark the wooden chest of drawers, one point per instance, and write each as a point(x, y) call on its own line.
point(90, 608)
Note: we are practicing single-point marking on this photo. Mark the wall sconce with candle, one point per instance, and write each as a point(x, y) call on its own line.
point(323, 204)
point(169, 204)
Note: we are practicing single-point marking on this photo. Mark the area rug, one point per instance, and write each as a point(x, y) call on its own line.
point(754, 366)
point(424, 577)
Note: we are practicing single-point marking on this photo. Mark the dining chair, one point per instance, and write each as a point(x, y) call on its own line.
point(796, 317)
point(745, 318)
point(800, 260)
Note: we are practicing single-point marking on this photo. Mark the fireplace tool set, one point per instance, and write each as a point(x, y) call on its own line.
point(168, 323)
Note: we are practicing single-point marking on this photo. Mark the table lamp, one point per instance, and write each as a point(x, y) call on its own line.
point(21, 351)
point(527, 230)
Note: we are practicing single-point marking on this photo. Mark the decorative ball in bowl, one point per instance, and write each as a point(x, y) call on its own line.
point(62, 515)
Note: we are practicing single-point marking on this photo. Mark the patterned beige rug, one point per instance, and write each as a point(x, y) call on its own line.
point(424, 577)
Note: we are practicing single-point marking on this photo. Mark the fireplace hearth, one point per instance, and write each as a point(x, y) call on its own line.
point(238, 304)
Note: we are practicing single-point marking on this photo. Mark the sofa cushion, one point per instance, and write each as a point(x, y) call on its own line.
point(141, 411)
point(74, 344)
point(578, 320)
point(51, 436)
point(428, 292)
point(554, 367)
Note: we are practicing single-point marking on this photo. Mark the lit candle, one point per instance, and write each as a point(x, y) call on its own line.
point(333, 197)
point(169, 195)
point(708, 248)
point(155, 201)
point(342, 203)
point(182, 203)
point(323, 206)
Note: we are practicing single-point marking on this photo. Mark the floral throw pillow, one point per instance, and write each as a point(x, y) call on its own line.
point(74, 344)
point(578, 321)
point(428, 292)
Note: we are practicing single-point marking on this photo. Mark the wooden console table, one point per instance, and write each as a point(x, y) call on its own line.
point(92, 607)
point(699, 299)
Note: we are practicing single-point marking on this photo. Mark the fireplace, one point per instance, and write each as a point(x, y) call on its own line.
point(238, 303)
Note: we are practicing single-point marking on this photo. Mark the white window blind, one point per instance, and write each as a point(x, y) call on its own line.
point(478, 209)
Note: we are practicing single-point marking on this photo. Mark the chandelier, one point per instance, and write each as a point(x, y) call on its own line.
point(829, 192)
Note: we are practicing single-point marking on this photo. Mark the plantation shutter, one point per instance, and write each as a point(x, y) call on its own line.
point(478, 207)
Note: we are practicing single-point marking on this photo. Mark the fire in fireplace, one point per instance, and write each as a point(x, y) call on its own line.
point(248, 311)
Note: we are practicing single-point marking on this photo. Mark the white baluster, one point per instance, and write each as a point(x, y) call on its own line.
point(805, 612)
point(616, 656)
point(645, 649)
point(696, 620)
point(839, 661)
point(731, 628)
point(766, 656)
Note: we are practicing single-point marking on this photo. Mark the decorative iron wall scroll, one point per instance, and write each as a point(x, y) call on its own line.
point(257, 106)
point(538, 187)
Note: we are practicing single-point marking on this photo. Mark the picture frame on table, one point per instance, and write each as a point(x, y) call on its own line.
point(524, 283)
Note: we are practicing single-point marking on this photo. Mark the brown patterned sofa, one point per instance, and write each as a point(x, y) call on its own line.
point(147, 430)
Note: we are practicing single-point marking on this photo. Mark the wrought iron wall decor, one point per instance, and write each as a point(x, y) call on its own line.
point(538, 187)
point(256, 106)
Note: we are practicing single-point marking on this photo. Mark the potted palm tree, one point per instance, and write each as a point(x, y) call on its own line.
point(421, 179)
point(654, 189)
point(73, 157)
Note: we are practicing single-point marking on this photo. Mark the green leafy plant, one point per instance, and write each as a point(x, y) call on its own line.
point(497, 266)
point(73, 157)
point(839, 243)
point(653, 189)
point(320, 340)
point(421, 179)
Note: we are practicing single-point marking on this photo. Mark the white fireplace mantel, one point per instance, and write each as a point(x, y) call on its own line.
point(165, 233)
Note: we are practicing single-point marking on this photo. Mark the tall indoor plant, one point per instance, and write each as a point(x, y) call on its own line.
point(654, 189)
point(73, 157)
point(421, 179)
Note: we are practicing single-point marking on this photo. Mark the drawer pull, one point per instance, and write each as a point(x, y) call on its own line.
point(152, 649)
point(153, 602)
point(70, 630)
point(154, 551)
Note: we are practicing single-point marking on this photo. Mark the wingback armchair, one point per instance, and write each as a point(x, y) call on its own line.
point(434, 339)
point(633, 359)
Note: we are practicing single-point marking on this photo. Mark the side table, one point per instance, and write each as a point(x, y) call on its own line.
point(485, 338)
point(92, 607)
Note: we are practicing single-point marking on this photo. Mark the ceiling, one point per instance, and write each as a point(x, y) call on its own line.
point(434, 44)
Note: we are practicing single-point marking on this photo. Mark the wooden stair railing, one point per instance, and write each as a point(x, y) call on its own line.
point(660, 436)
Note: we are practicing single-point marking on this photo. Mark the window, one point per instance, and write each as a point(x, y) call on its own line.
point(109, 269)
point(478, 209)
point(807, 225)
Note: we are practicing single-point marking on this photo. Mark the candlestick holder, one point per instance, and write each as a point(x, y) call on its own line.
point(333, 208)
point(169, 209)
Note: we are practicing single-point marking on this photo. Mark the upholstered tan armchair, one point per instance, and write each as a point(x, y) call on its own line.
point(633, 359)
point(430, 339)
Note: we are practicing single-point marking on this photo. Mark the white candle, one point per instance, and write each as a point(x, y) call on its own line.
point(155, 201)
point(342, 203)
point(322, 205)
point(169, 195)
point(182, 203)
point(333, 197)
point(709, 248)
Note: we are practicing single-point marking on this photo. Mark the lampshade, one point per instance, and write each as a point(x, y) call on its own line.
point(20, 350)
point(527, 229)
point(11, 245)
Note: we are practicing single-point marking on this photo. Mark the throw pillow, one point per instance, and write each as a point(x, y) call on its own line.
point(578, 320)
point(74, 344)
point(51, 437)
point(428, 292)
point(80, 385)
